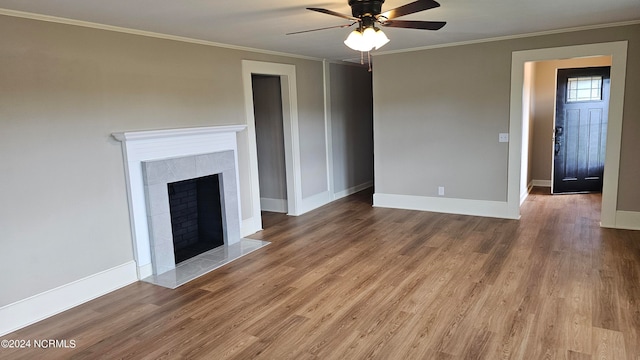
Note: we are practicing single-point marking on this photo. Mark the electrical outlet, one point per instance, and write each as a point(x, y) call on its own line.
point(503, 137)
point(441, 190)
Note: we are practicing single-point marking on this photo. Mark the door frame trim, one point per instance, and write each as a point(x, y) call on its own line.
point(287, 74)
point(618, 52)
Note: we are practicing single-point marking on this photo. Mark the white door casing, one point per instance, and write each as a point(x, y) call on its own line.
point(287, 74)
point(618, 52)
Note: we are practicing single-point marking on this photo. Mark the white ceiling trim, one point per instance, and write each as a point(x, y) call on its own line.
point(60, 20)
point(356, 61)
point(509, 37)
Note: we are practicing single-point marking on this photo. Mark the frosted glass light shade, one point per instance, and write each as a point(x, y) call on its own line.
point(380, 39)
point(353, 41)
point(356, 41)
point(367, 40)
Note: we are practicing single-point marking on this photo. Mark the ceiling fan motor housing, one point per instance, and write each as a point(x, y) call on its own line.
point(360, 8)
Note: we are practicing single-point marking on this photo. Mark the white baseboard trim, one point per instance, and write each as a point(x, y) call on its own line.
point(41, 306)
point(250, 226)
point(352, 190)
point(145, 271)
point(541, 183)
point(525, 194)
point(274, 205)
point(629, 220)
point(497, 209)
point(313, 202)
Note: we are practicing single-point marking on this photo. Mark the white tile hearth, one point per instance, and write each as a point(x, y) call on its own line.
point(204, 263)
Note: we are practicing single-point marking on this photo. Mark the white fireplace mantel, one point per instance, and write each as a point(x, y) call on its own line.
point(165, 133)
point(141, 146)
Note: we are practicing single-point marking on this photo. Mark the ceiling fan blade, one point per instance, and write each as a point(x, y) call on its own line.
point(409, 24)
point(409, 8)
point(324, 28)
point(330, 12)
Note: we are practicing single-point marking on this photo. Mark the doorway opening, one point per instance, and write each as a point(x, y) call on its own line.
point(519, 114)
point(267, 107)
point(546, 150)
point(286, 74)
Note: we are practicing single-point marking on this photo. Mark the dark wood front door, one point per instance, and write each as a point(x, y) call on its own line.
point(582, 107)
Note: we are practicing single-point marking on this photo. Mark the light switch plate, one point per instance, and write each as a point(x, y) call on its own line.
point(503, 137)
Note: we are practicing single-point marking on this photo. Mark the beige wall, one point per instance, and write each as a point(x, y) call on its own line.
point(544, 97)
point(437, 115)
point(64, 90)
point(438, 112)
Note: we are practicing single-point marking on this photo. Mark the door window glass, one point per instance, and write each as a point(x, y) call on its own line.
point(586, 88)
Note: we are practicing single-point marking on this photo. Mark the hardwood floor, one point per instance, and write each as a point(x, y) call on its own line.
point(349, 281)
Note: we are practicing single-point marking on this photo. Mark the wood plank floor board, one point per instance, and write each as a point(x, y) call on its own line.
point(578, 311)
point(350, 281)
point(478, 347)
point(514, 342)
point(574, 355)
point(371, 342)
point(608, 344)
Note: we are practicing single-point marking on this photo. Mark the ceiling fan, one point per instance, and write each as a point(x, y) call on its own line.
point(368, 13)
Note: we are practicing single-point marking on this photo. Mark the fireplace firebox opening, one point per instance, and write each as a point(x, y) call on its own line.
point(196, 216)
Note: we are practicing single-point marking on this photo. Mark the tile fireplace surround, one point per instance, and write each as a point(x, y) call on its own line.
point(158, 157)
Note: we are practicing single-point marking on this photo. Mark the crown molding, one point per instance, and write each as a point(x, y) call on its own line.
point(509, 37)
point(88, 24)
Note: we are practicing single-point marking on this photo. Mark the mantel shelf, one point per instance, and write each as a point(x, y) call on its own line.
point(157, 134)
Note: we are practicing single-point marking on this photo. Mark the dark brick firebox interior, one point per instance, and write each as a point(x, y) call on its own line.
point(196, 216)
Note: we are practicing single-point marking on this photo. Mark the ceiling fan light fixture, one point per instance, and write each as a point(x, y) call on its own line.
point(355, 41)
point(368, 13)
point(380, 39)
point(369, 38)
point(366, 40)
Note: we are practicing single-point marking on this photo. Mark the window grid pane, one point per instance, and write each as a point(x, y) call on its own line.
point(586, 88)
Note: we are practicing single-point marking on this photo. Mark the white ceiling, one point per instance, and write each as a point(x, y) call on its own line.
point(262, 24)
